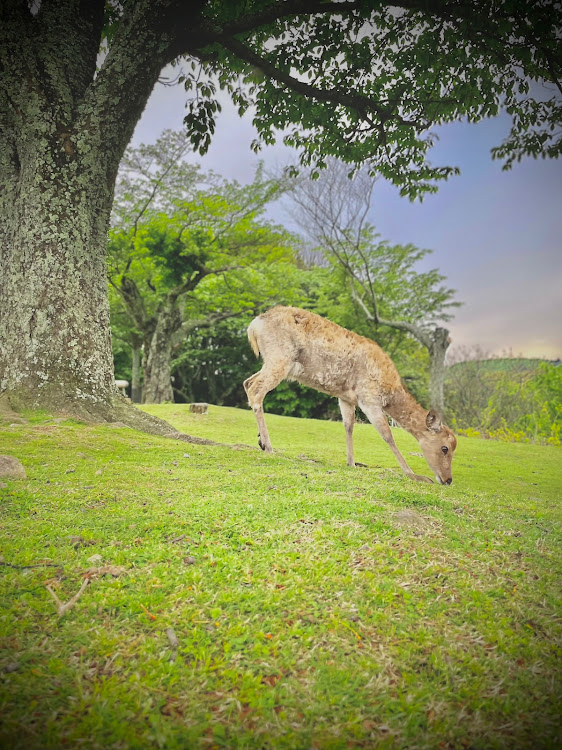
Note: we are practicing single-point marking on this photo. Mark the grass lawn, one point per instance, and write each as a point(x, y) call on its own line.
point(241, 600)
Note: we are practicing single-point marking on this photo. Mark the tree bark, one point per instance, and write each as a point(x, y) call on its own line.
point(64, 131)
point(54, 311)
point(158, 347)
point(440, 342)
point(136, 388)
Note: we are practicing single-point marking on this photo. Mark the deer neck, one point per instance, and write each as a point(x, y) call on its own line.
point(406, 411)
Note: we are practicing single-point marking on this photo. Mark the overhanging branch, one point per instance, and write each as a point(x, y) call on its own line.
point(361, 104)
point(280, 10)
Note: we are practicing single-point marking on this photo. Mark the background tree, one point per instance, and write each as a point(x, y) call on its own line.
point(382, 279)
point(359, 80)
point(506, 397)
point(164, 266)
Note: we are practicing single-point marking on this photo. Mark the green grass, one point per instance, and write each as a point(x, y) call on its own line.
point(315, 606)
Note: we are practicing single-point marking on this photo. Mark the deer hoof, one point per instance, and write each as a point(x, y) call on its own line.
point(420, 478)
point(261, 445)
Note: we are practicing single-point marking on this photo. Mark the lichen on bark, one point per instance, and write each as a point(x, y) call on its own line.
point(64, 128)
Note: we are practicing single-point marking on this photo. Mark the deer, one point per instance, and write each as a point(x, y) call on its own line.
point(299, 345)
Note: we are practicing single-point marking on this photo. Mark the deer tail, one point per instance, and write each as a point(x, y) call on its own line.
point(253, 339)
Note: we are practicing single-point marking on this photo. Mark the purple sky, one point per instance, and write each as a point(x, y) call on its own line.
point(496, 236)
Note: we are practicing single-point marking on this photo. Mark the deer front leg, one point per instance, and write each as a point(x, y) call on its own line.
point(348, 417)
point(378, 419)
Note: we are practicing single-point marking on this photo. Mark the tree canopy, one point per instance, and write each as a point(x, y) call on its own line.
point(388, 72)
point(187, 250)
point(364, 80)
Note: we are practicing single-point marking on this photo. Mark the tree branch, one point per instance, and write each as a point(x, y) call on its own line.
point(188, 326)
point(401, 325)
point(280, 10)
point(134, 302)
point(141, 48)
point(359, 103)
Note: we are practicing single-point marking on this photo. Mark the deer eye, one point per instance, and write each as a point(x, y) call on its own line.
point(445, 449)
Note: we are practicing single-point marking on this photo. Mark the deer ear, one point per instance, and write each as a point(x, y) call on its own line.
point(432, 422)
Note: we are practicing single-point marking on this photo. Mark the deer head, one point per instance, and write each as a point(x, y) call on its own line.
point(438, 446)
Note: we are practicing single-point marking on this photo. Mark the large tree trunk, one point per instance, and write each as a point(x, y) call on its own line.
point(63, 131)
point(56, 346)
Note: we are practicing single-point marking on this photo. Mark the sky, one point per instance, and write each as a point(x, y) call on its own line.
point(496, 236)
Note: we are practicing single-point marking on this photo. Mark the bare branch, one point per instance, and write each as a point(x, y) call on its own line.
point(62, 609)
point(188, 326)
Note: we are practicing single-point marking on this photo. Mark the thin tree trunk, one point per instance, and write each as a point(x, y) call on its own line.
point(437, 352)
point(158, 368)
point(136, 388)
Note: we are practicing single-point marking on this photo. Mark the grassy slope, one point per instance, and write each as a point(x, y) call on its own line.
point(315, 606)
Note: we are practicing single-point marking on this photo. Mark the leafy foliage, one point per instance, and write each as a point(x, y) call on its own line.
point(365, 82)
point(518, 400)
point(187, 257)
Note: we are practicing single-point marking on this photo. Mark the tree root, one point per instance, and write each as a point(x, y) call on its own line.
point(119, 412)
point(126, 414)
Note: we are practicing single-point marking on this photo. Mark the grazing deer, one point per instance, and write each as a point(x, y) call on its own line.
point(299, 345)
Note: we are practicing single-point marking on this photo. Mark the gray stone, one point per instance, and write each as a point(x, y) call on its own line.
point(409, 517)
point(199, 408)
point(11, 468)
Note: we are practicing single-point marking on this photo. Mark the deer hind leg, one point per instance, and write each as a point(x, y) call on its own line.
point(257, 387)
point(348, 417)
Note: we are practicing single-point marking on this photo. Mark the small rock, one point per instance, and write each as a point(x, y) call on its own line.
point(12, 666)
point(12, 468)
point(94, 559)
point(189, 560)
point(78, 541)
point(71, 470)
point(199, 408)
point(186, 455)
point(410, 518)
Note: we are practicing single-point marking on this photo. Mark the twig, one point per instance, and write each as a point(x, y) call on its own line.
point(177, 539)
point(63, 608)
point(148, 614)
point(37, 565)
point(174, 643)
